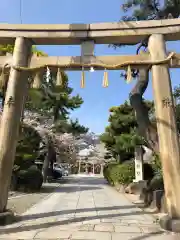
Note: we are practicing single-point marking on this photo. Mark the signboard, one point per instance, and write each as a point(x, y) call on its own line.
point(138, 164)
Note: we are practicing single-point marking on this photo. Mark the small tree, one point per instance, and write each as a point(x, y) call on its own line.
point(120, 137)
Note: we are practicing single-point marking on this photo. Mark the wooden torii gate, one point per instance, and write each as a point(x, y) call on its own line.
point(102, 33)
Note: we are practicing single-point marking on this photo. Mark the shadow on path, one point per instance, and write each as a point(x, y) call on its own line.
point(90, 180)
point(68, 189)
point(148, 235)
point(69, 211)
point(66, 221)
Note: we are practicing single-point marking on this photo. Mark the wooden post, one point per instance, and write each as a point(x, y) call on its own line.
point(166, 126)
point(11, 115)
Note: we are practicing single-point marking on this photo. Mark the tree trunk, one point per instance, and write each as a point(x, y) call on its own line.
point(45, 168)
point(49, 161)
point(10, 120)
point(145, 127)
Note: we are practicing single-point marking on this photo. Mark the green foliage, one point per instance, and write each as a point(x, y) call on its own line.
point(156, 164)
point(30, 178)
point(8, 48)
point(150, 9)
point(70, 126)
point(27, 147)
point(156, 183)
point(26, 153)
point(176, 94)
point(76, 128)
point(120, 136)
point(119, 173)
point(52, 100)
point(125, 173)
point(137, 10)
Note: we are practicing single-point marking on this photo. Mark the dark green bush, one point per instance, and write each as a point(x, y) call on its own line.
point(119, 173)
point(24, 160)
point(30, 179)
point(156, 183)
point(125, 173)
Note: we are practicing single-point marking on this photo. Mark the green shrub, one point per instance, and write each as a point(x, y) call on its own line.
point(156, 164)
point(156, 183)
point(24, 160)
point(125, 173)
point(119, 173)
point(31, 178)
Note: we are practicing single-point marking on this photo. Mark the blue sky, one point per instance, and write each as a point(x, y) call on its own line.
point(97, 100)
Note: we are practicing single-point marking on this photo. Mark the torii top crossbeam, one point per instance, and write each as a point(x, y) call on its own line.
point(102, 33)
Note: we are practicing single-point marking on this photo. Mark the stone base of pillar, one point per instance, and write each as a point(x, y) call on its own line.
point(6, 218)
point(169, 224)
point(141, 182)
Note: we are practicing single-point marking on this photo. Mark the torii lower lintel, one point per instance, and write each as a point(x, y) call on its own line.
point(75, 63)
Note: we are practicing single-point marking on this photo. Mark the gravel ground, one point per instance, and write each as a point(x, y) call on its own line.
point(19, 202)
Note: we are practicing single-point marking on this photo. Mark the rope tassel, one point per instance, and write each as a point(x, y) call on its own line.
point(59, 78)
point(129, 74)
point(48, 74)
point(83, 79)
point(105, 79)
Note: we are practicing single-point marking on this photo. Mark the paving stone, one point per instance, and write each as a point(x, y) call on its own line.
point(127, 229)
point(54, 232)
point(91, 235)
point(19, 235)
point(149, 229)
point(111, 220)
point(70, 226)
point(127, 236)
point(130, 221)
point(86, 227)
point(106, 227)
point(91, 221)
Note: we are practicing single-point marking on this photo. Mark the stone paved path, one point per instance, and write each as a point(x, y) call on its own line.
point(85, 208)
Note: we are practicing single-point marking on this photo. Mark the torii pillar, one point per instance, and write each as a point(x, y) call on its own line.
point(10, 121)
point(166, 125)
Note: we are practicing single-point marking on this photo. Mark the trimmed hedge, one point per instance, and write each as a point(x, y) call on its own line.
point(119, 173)
point(124, 173)
point(31, 179)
